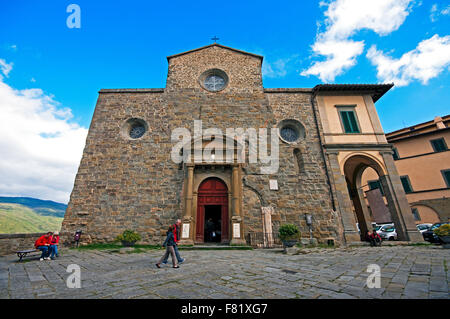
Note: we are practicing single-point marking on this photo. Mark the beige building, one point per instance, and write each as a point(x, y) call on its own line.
point(422, 159)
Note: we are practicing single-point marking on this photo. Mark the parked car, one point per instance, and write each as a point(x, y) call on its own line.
point(429, 235)
point(378, 227)
point(423, 227)
point(387, 232)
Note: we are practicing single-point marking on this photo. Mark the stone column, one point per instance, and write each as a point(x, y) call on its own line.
point(187, 231)
point(267, 213)
point(362, 213)
point(237, 237)
point(397, 202)
point(345, 207)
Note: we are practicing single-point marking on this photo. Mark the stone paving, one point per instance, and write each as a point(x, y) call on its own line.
point(406, 272)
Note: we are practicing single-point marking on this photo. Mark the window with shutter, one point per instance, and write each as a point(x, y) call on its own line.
point(349, 121)
point(446, 175)
point(415, 213)
point(406, 184)
point(439, 145)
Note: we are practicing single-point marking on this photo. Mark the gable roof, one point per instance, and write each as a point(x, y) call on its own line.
point(218, 45)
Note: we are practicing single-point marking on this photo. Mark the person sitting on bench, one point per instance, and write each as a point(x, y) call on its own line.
point(43, 244)
point(375, 239)
point(54, 245)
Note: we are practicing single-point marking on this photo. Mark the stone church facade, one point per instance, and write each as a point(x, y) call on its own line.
point(127, 178)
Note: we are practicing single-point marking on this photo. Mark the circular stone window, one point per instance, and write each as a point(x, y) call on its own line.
point(214, 80)
point(137, 130)
point(291, 131)
point(134, 128)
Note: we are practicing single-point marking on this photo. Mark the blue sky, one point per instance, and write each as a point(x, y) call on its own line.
point(124, 44)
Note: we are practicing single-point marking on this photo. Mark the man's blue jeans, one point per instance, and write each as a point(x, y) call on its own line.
point(53, 251)
point(177, 254)
point(45, 251)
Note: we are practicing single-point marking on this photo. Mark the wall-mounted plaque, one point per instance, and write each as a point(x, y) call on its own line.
point(236, 230)
point(273, 184)
point(185, 233)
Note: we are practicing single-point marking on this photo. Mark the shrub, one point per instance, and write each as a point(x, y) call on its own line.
point(443, 230)
point(129, 236)
point(289, 231)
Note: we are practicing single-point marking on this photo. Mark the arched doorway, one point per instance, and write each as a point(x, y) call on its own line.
point(354, 168)
point(212, 211)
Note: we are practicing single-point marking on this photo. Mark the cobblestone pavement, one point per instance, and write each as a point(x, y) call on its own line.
point(406, 272)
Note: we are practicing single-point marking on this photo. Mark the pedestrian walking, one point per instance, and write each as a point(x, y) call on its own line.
point(169, 243)
point(176, 235)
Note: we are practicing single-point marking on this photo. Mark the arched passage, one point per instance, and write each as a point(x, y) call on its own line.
point(212, 211)
point(354, 168)
point(425, 214)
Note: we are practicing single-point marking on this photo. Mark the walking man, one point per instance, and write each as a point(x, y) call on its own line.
point(169, 243)
point(176, 233)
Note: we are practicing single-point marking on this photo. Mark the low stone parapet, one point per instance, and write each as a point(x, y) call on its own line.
point(10, 243)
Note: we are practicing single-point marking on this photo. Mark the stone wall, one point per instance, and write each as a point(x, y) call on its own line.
point(243, 70)
point(10, 243)
point(303, 185)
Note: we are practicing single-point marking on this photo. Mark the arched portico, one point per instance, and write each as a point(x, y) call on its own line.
point(353, 168)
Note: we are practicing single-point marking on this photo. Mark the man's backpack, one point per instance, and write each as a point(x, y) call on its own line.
point(36, 243)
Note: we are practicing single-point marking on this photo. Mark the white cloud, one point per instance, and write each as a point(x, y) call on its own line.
point(344, 18)
point(278, 68)
point(426, 61)
point(435, 12)
point(5, 68)
point(40, 147)
point(340, 55)
point(446, 11)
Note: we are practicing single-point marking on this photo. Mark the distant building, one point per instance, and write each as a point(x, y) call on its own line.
point(422, 159)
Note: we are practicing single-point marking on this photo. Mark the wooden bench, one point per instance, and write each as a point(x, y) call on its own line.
point(23, 253)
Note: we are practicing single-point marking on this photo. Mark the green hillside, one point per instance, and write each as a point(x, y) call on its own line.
point(16, 218)
point(41, 207)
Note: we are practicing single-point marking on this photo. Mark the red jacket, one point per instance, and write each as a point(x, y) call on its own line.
point(176, 233)
point(42, 241)
point(375, 235)
point(54, 240)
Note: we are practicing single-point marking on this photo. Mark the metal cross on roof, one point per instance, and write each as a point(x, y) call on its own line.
point(215, 39)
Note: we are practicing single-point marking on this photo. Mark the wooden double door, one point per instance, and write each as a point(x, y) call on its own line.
point(212, 211)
